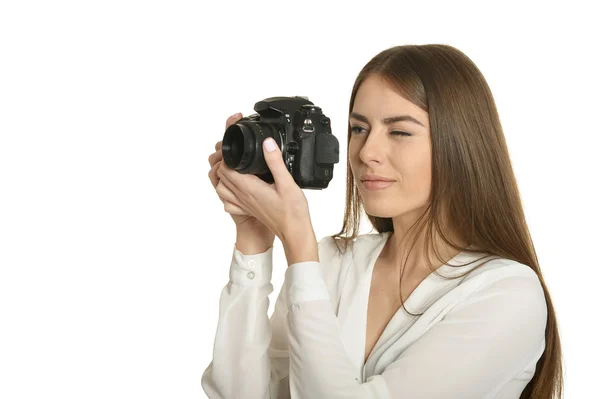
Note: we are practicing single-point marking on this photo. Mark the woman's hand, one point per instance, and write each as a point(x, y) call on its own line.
point(244, 222)
point(280, 206)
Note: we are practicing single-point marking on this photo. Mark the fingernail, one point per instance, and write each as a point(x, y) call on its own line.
point(236, 115)
point(270, 145)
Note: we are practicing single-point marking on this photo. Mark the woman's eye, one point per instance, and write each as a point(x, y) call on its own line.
point(357, 129)
point(399, 133)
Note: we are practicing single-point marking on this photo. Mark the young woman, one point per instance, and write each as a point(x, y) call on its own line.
point(446, 301)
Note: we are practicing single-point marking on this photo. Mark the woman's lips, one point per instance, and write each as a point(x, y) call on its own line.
point(376, 184)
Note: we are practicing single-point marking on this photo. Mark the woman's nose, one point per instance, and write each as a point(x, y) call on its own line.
point(373, 150)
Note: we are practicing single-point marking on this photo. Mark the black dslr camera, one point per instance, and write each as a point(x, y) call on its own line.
point(302, 132)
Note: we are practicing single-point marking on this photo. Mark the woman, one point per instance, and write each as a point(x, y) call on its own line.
point(446, 301)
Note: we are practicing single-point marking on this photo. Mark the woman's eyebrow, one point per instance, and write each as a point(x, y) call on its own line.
point(387, 121)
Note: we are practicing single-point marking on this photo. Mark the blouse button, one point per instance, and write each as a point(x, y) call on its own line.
point(251, 264)
point(250, 275)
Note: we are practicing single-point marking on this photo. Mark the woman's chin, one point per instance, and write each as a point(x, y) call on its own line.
point(377, 211)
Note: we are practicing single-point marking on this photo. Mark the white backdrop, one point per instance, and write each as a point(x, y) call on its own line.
point(114, 247)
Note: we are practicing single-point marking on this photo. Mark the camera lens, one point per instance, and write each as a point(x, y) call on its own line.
point(242, 146)
point(238, 146)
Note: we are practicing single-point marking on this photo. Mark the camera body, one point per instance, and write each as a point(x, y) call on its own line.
point(302, 132)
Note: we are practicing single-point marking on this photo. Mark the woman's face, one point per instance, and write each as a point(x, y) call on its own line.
point(399, 150)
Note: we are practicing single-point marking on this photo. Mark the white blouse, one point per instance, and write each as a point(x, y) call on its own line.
point(480, 336)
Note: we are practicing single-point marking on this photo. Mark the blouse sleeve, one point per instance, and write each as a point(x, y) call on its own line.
point(483, 342)
point(250, 357)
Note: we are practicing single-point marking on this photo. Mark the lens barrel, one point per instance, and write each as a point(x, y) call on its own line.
point(239, 146)
point(242, 146)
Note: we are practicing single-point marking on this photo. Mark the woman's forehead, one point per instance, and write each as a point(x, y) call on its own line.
point(378, 100)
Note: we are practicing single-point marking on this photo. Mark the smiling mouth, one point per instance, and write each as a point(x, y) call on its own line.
point(376, 184)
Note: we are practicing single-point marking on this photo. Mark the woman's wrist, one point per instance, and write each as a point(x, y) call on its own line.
point(251, 243)
point(301, 246)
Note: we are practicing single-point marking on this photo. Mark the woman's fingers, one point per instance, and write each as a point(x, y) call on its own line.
point(232, 203)
point(218, 154)
point(226, 194)
point(212, 174)
point(214, 158)
point(233, 209)
point(232, 119)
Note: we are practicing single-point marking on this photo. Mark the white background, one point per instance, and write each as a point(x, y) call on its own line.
point(114, 247)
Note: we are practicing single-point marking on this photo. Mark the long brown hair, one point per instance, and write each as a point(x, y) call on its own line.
point(473, 186)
